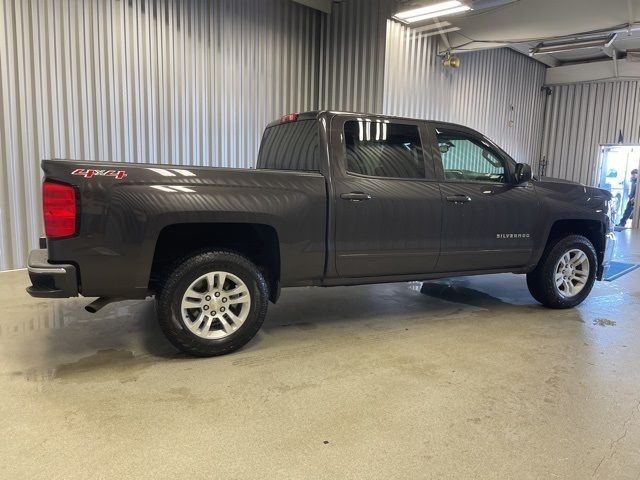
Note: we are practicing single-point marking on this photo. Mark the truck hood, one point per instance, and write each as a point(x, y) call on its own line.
point(556, 180)
point(573, 190)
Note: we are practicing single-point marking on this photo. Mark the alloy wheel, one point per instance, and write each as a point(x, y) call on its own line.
point(572, 273)
point(215, 305)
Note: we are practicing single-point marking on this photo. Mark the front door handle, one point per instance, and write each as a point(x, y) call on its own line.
point(355, 196)
point(458, 198)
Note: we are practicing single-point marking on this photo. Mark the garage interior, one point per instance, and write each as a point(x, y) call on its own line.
point(454, 378)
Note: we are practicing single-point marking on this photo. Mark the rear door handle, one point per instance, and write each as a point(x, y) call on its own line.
point(355, 196)
point(458, 198)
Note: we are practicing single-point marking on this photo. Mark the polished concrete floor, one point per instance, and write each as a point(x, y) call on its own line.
point(471, 380)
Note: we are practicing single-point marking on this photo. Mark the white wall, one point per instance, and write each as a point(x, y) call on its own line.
point(353, 56)
point(497, 92)
point(181, 82)
point(194, 82)
point(580, 117)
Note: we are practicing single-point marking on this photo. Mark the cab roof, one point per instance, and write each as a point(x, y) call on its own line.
point(316, 114)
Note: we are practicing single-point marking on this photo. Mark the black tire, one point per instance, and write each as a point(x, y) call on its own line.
point(541, 281)
point(178, 281)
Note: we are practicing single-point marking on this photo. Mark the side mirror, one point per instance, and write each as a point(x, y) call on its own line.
point(523, 172)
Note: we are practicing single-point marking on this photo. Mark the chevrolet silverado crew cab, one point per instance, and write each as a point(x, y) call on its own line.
point(336, 199)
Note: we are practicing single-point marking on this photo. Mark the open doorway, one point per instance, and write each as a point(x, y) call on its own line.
point(614, 175)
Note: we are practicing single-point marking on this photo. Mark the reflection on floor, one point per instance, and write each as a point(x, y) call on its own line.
point(470, 378)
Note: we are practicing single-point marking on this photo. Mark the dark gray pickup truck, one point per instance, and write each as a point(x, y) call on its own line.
point(336, 199)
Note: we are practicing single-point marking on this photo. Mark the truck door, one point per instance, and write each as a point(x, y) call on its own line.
point(489, 222)
point(387, 200)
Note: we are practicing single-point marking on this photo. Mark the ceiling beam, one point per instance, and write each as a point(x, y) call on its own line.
point(593, 72)
point(322, 5)
point(547, 60)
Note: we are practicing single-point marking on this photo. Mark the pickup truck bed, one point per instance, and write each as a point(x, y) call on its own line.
point(124, 223)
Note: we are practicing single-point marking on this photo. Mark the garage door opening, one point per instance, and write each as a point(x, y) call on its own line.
point(614, 175)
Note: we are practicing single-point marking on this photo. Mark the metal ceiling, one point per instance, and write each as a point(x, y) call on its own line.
point(524, 24)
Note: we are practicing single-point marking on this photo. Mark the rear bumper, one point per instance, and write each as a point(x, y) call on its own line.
point(51, 280)
point(610, 245)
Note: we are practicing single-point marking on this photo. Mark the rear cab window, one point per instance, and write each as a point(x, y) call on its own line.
point(291, 146)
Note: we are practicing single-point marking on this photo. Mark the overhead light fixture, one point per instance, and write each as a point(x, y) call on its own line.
point(559, 47)
point(431, 11)
point(414, 12)
point(435, 28)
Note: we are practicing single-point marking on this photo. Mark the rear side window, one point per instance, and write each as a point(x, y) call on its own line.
point(383, 149)
point(291, 146)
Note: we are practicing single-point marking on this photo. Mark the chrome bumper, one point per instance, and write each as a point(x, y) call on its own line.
point(610, 245)
point(50, 280)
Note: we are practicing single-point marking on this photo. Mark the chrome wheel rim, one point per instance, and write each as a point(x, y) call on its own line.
point(572, 273)
point(215, 305)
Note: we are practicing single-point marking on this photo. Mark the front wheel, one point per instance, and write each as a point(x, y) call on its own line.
point(566, 273)
point(212, 303)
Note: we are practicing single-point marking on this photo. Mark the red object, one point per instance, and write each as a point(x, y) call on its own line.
point(59, 208)
point(291, 117)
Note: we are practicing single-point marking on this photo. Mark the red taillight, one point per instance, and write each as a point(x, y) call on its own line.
point(291, 117)
point(59, 208)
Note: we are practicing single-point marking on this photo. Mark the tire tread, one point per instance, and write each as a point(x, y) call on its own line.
point(184, 340)
point(540, 280)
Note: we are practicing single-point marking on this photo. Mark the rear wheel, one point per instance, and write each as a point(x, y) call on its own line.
point(566, 273)
point(212, 303)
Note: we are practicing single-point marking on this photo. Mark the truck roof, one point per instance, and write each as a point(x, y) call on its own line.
point(315, 114)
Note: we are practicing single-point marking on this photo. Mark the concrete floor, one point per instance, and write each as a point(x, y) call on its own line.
point(474, 380)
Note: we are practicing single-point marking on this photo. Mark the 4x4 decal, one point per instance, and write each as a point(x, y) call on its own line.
point(90, 173)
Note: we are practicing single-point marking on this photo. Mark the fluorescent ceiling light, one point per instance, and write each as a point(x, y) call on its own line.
point(428, 9)
point(431, 11)
point(441, 13)
point(542, 48)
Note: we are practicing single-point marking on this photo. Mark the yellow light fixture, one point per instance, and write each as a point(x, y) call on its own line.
point(451, 61)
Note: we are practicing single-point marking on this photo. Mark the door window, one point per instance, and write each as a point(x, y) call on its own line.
point(383, 149)
point(466, 159)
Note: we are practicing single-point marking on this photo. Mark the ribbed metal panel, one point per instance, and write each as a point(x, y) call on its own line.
point(496, 92)
point(581, 117)
point(166, 81)
point(194, 82)
point(353, 53)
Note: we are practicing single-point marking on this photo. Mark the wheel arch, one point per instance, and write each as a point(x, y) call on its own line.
point(256, 241)
point(593, 230)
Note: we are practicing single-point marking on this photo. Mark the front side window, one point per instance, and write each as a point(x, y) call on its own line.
point(383, 149)
point(466, 159)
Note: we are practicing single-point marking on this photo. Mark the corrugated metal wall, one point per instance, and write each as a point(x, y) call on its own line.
point(496, 92)
point(353, 52)
point(167, 81)
point(194, 82)
point(580, 117)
